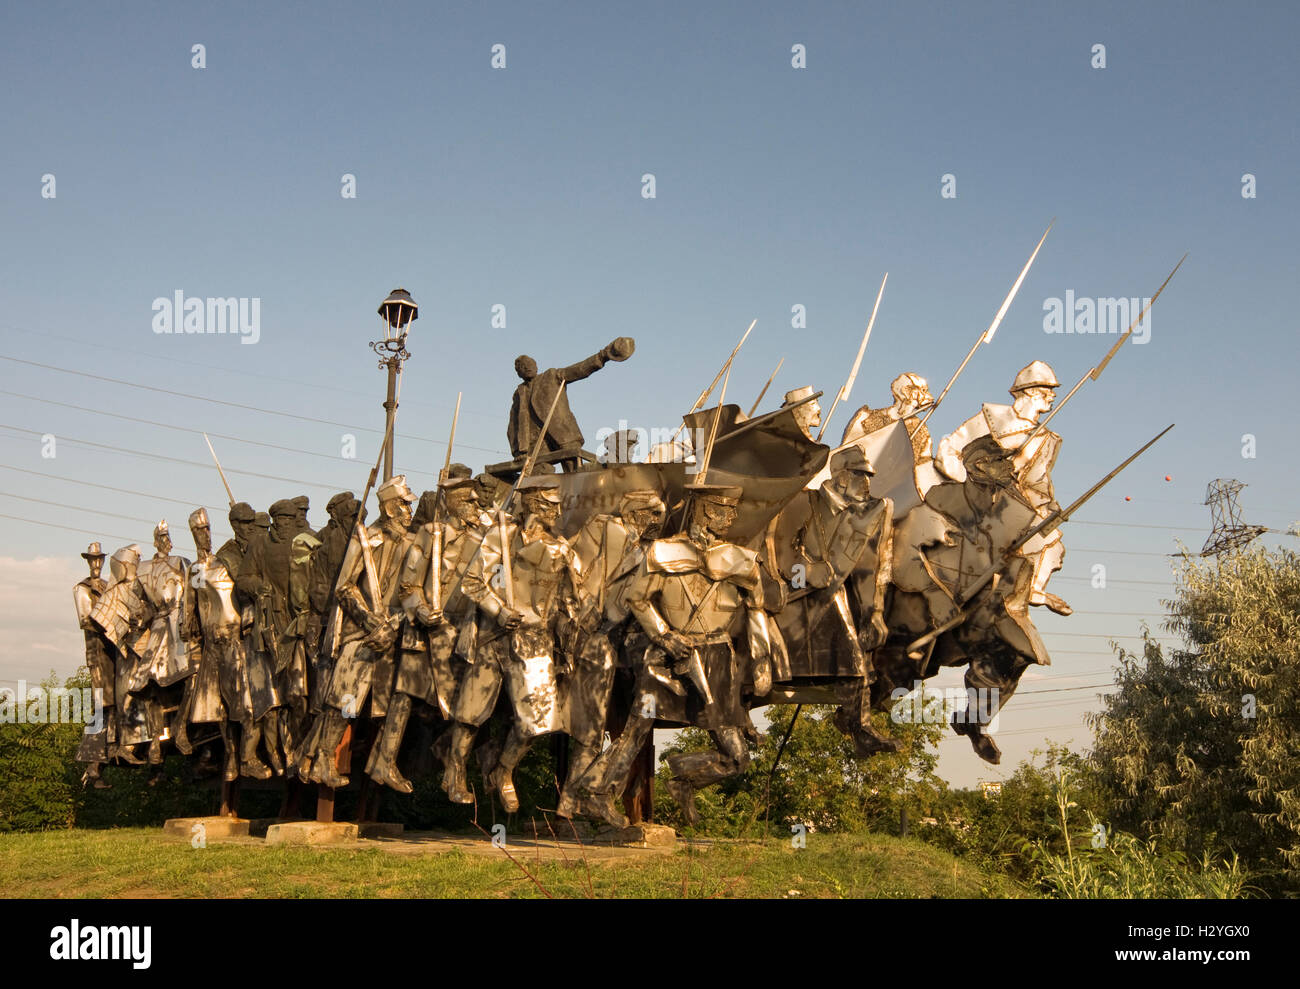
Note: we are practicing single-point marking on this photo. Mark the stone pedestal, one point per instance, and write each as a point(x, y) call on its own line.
point(311, 833)
point(206, 828)
point(644, 836)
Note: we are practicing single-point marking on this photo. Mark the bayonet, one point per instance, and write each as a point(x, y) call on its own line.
point(1095, 372)
point(843, 394)
point(229, 494)
point(987, 336)
point(771, 378)
point(1048, 524)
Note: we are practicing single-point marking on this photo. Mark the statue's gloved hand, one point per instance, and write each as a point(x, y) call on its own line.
point(676, 644)
point(428, 616)
point(507, 617)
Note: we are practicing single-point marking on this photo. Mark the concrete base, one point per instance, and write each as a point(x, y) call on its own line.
point(380, 829)
point(310, 833)
point(648, 836)
point(210, 828)
point(258, 826)
point(632, 836)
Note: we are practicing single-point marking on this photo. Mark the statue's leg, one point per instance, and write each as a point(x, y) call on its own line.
point(382, 765)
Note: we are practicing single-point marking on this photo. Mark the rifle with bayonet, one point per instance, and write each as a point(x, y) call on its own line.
point(1047, 525)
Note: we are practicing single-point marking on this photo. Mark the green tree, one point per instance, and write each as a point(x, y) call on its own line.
point(1201, 747)
point(818, 782)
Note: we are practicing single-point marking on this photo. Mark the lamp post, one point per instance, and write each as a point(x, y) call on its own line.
point(398, 312)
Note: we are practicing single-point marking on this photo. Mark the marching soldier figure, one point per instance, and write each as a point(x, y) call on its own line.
point(274, 575)
point(809, 414)
point(610, 551)
point(371, 614)
point(844, 548)
point(345, 513)
point(216, 693)
point(1033, 391)
point(911, 395)
point(693, 594)
point(94, 750)
point(163, 655)
point(120, 614)
point(437, 639)
point(527, 584)
point(248, 685)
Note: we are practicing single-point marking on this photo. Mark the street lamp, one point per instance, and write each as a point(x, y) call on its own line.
point(398, 311)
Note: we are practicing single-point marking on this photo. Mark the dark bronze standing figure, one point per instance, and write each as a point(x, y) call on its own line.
point(95, 747)
point(533, 399)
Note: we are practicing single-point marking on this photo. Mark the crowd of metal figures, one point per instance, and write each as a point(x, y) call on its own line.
point(742, 564)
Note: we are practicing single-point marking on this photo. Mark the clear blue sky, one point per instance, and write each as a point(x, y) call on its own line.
point(522, 187)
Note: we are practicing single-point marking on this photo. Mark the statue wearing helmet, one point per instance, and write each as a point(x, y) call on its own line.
point(1033, 393)
point(911, 393)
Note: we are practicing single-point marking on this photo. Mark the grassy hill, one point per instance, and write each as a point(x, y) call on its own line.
point(139, 862)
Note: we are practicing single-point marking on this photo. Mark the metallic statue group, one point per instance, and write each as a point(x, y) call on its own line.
point(741, 564)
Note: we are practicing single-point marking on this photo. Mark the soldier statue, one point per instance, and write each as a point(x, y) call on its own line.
point(843, 549)
point(808, 414)
point(371, 619)
point(1033, 391)
point(249, 687)
point(162, 655)
point(274, 574)
point(96, 746)
point(534, 397)
point(218, 692)
point(528, 587)
point(120, 615)
point(692, 596)
point(610, 550)
point(942, 547)
point(911, 396)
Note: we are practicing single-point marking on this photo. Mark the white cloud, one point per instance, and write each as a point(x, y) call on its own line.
point(38, 622)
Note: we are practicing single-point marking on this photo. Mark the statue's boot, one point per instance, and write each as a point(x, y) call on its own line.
point(382, 764)
point(608, 773)
point(684, 794)
point(580, 759)
point(230, 769)
point(502, 778)
point(980, 741)
point(127, 754)
point(249, 764)
point(323, 768)
point(453, 774)
point(94, 779)
point(272, 732)
point(695, 770)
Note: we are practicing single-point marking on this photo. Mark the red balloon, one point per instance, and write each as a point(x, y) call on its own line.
point(1168, 478)
point(1128, 497)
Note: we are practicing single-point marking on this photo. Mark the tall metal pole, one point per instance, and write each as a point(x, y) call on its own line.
point(390, 411)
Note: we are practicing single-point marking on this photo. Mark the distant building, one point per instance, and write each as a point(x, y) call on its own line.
point(990, 788)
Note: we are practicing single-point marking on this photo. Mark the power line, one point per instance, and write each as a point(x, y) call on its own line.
point(174, 460)
point(242, 372)
point(76, 508)
point(227, 404)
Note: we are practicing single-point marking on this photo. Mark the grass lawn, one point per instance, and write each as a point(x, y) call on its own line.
point(140, 862)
